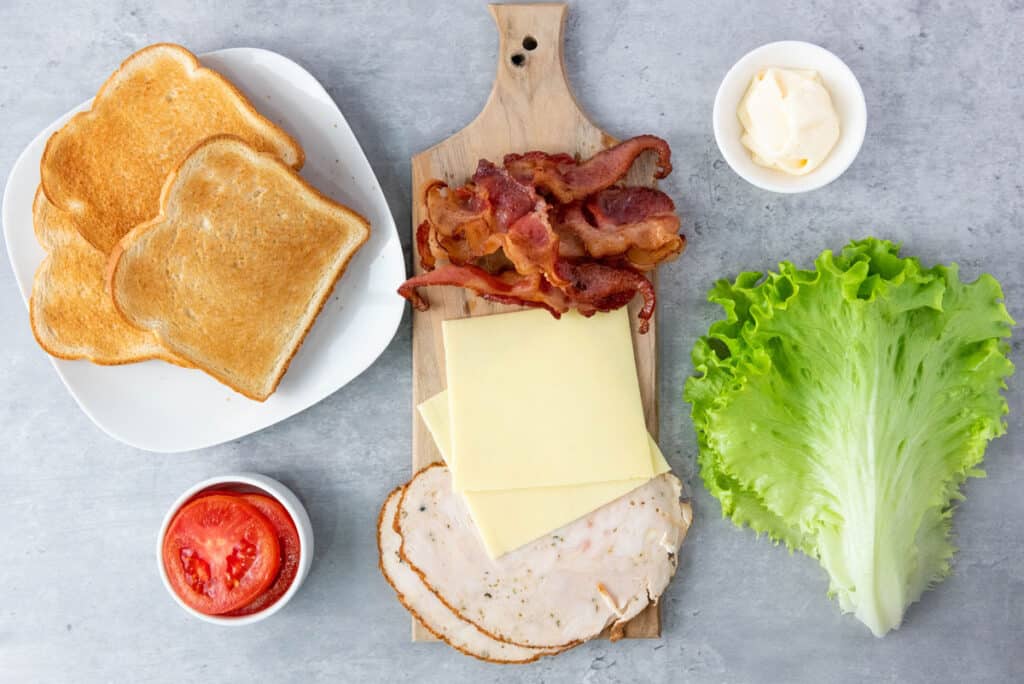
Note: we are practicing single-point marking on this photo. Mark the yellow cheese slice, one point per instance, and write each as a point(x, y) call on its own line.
point(540, 402)
point(508, 519)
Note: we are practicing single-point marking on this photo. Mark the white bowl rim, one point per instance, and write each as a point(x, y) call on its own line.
point(777, 181)
point(283, 495)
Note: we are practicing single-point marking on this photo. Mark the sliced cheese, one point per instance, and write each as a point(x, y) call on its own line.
point(540, 402)
point(510, 518)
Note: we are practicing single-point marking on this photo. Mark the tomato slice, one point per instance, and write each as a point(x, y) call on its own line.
point(220, 553)
point(288, 540)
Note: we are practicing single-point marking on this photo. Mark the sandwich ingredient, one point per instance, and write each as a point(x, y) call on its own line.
point(549, 231)
point(789, 121)
point(220, 553)
point(106, 166)
point(266, 237)
point(561, 589)
point(840, 409)
point(511, 423)
point(429, 610)
point(103, 172)
point(565, 179)
point(288, 542)
point(509, 518)
point(71, 313)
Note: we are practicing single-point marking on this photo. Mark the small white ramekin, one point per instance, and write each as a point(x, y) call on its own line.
point(291, 504)
point(847, 97)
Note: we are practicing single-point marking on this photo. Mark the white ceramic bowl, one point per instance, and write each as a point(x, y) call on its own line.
point(291, 504)
point(847, 97)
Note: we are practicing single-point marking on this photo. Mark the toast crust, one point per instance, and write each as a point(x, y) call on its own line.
point(164, 102)
point(70, 312)
point(296, 185)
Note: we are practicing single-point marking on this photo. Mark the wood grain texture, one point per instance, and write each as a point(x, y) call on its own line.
point(531, 107)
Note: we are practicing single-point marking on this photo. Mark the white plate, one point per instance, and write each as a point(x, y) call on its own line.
point(159, 407)
point(847, 97)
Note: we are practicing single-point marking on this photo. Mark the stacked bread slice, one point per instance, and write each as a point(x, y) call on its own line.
point(72, 315)
point(177, 228)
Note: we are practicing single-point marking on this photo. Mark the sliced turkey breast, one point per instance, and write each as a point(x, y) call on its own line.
point(559, 590)
point(429, 610)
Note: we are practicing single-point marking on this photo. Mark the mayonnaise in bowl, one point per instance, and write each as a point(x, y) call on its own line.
point(789, 121)
point(789, 117)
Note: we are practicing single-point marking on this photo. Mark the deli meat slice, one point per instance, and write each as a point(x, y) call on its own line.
point(559, 590)
point(429, 610)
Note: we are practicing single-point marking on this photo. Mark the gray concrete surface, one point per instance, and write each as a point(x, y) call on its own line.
point(940, 170)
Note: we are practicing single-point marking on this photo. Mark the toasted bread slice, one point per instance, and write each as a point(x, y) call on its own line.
point(234, 270)
point(70, 310)
point(106, 165)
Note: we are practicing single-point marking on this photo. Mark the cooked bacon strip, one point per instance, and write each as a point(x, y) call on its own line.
point(493, 212)
point(510, 199)
point(581, 244)
point(461, 223)
point(530, 243)
point(597, 287)
point(532, 246)
point(506, 288)
point(592, 287)
point(568, 180)
point(570, 245)
point(621, 206)
point(427, 260)
point(637, 224)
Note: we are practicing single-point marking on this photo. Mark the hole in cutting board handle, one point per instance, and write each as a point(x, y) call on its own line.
point(518, 59)
point(529, 43)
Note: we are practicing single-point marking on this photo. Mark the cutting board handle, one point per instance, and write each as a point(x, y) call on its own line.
point(531, 79)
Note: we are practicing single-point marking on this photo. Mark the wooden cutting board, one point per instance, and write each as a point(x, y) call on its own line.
point(531, 107)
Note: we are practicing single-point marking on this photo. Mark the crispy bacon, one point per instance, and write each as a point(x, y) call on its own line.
point(510, 199)
point(594, 286)
point(639, 225)
point(566, 179)
point(461, 223)
point(427, 260)
point(548, 231)
point(570, 245)
point(530, 243)
point(506, 288)
point(493, 212)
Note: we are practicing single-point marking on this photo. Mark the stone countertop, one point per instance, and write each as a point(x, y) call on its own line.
point(940, 171)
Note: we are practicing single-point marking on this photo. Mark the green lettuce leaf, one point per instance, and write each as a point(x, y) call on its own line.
point(839, 410)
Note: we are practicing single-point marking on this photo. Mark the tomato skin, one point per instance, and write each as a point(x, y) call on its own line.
point(220, 552)
point(288, 540)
